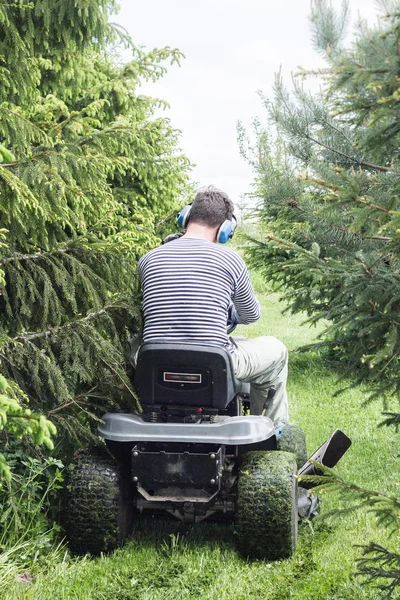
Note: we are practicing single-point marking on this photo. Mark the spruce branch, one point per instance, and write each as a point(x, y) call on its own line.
point(386, 508)
point(41, 134)
point(122, 379)
point(30, 337)
point(26, 161)
point(77, 401)
point(372, 204)
point(380, 567)
point(352, 159)
point(392, 419)
point(36, 256)
point(337, 189)
point(294, 247)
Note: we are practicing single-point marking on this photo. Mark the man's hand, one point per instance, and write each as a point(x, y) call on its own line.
point(232, 319)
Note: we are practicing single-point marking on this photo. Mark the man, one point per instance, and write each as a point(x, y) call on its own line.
point(190, 287)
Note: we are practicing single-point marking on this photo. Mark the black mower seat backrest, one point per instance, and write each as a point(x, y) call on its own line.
point(184, 374)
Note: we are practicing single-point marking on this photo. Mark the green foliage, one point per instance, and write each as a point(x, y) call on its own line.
point(14, 417)
point(21, 422)
point(379, 565)
point(27, 506)
point(44, 36)
point(385, 508)
point(330, 220)
point(87, 172)
point(327, 26)
point(329, 208)
point(382, 565)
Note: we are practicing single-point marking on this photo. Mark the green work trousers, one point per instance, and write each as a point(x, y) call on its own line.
point(263, 362)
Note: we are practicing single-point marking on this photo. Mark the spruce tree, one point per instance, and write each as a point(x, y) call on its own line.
point(328, 198)
point(87, 171)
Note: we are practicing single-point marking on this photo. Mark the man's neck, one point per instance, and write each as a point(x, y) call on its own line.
point(196, 230)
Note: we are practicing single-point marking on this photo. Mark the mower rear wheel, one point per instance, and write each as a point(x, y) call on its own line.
point(266, 515)
point(99, 508)
point(293, 440)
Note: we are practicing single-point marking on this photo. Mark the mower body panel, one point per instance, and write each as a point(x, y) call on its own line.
point(228, 431)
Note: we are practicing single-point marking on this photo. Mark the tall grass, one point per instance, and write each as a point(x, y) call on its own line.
point(27, 532)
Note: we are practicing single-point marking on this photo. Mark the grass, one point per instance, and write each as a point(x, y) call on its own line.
point(167, 560)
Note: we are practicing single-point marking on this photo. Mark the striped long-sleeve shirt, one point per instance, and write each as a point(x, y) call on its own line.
point(188, 285)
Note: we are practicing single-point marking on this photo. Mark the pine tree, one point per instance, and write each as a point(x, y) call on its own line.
point(86, 173)
point(329, 205)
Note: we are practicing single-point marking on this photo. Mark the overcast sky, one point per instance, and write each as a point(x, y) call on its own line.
point(233, 48)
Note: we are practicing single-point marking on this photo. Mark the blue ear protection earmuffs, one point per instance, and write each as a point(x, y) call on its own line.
point(224, 233)
point(226, 230)
point(183, 216)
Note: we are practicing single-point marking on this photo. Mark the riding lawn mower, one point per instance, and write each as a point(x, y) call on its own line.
point(194, 452)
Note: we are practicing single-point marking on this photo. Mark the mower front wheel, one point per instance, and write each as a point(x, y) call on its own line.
point(266, 515)
point(293, 439)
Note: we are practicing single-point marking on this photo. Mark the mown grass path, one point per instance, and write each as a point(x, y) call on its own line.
point(166, 560)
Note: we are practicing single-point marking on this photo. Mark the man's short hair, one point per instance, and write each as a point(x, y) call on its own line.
point(211, 207)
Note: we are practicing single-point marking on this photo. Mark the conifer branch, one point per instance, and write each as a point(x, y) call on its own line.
point(165, 219)
point(64, 249)
point(386, 508)
point(338, 130)
point(372, 204)
point(337, 189)
point(25, 120)
point(30, 337)
point(291, 246)
point(352, 159)
point(26, 161)
point(36, 256)
point(122, 380)
point(76, 401)
point(380, 565)
point(392, 418)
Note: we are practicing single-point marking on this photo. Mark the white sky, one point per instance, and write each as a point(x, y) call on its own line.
point(233, 48)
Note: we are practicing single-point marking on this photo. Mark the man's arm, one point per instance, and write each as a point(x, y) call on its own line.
point(246, 308)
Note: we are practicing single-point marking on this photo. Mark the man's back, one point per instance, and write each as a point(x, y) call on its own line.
point(188, 285)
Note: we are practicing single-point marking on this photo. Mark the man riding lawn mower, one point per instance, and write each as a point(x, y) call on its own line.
point(195, 451)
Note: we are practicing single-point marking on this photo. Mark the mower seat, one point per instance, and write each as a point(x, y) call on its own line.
point(186, 374)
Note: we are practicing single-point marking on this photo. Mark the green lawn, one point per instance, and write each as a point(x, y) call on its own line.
point(171, 561)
